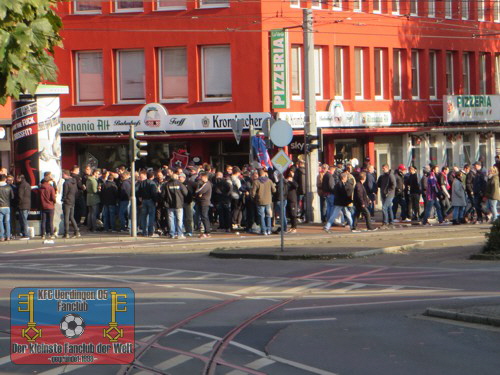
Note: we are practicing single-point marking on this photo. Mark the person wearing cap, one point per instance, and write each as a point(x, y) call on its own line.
point(387, 185)
point(399, 194)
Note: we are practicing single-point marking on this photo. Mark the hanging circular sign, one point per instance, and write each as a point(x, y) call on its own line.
point(281, 133)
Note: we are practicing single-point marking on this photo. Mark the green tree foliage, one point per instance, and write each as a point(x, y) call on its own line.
point(493, 239)
point(29, 31)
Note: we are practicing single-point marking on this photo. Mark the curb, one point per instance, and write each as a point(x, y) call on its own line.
point(483, 256)
point(235, 254)
point(462, 317)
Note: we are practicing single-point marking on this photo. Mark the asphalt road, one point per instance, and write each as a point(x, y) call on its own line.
point(200, 315)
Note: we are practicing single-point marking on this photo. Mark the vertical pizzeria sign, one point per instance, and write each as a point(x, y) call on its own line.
point(279, 68)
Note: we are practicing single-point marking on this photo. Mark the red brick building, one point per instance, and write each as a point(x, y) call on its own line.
point(384, 71)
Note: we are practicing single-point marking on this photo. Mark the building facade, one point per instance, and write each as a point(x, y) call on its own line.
point(396, 81)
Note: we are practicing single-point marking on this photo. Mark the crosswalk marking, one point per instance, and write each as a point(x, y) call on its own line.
point(255, 365)
point(303, 287)
point(349, 288)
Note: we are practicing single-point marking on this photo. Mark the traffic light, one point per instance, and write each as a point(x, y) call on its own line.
point(313, 142)
point(136, 146)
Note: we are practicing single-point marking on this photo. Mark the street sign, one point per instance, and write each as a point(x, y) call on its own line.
point(281, 161)
point(281, 133)
point(237, 127)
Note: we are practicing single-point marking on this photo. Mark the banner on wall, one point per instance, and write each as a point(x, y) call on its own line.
point(471, 108)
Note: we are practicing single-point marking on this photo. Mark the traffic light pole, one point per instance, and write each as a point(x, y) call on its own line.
point(310, 129)
point(133, 201)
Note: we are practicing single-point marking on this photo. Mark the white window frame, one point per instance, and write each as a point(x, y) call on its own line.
point(449, 74)
point(337, 4)
point(159, 7)
point(296, 71)
point(77, 79)
point(466, 56)
point(126, 10)
point(480, 10)
point(377, 6)
point(431, 11)
point(222, 4)
point(496, 11)
point(483, 83)
point(357, 5)
point(433, 75)
point(378, 63)
point(415, 72)
point(206, 98)
point(448, 9)
point(465, 9)
point(397, 56)
point(396, 7)
point(161, 63)
point(413, 7)
point(497, 73)
point(339, 71)
point(316, 4)
point(359, 72)
point(318, 72)
point(94, 11)
point(118, 78)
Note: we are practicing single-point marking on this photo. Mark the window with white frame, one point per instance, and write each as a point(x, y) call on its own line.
point(216, 73)
point(173, 74)
point(415, 74)
point(448, 9)
point(337, 4)
point(86, 6)
point(378, 65)
point(482, 73)
point(465, 9)
point(497, 73)
point(295, 3)
point(358, 73)
point(318, 72)
point(171, 4)
point(466, 72)
point(432, 75)
point(89, 78)
point(377, 6)
point(450, 84)
point(496, 10)
point(319, 4)
point(131, 76)
point(296, 72)
point(414, 7)
point(431, 11)
point(395, 7)
point(339, 72)
point(396, 74)
point(214, 3)
point(357, 5)
point(480, 10)
point(128, 6)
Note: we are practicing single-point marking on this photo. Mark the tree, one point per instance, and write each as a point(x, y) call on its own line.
point(29, 31)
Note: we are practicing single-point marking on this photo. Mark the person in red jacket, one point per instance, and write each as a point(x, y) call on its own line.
point(47, 202)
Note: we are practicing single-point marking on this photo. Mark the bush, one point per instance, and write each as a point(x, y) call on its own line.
point(493, 239)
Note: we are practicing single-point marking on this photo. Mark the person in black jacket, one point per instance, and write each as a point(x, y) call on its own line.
point(469, 178)
point(328, 184)
point(479, 190)
point(371, 187)
point(125, 191)
point(24, 205)
point(174, 194)
point(300, 178)
point(222, 197)
point(188, 207)
point(361, 203)
point(6, 196)
point(147, 192)
point(292, 201)
point(343, 192)
point(109, 200)
point(203, 195)
point(69, 197)
point(387, 185)
point(413, 187)
point(399, 194)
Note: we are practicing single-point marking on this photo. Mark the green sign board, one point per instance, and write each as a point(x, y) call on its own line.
point(279, 68)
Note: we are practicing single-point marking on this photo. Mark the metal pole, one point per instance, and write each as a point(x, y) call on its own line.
point(282, 212)
point(133, 202)
point(312, 200)
point(250, 155)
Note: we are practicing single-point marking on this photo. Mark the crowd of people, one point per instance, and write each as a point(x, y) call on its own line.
point(178, 202)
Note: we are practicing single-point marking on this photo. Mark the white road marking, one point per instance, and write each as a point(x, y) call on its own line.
point(62, 370)
point(171, 273)
point(349, 288)
point(303, 287)
point(299, 320)
point(250, 289)
point(133, 270)
point(181, 358)
point(255, 365)
point(5, 360)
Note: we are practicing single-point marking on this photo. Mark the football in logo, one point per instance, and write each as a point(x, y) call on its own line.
point(72, 326)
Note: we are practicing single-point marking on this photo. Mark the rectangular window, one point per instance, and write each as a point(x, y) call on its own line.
point(339, 72)
point(296, 72)
point(395, 6)
point(128, 6)
point(465, 9)
point(466, 72)
point(450, 87)
point(358, 73)
point(379, 73)
point(89, 78)
point(216, 72)
point(448, 9)
point(482, 74)
point(214, 3)
point(173, 75)
point(432, 74)
point(396, 82)
point(171, 4)
point(318, 4)
point(377, 6)
point(414, 7)
point(87, 6)
point(337, 4)
point(357, 6)
point(131, 73)
point(497, 73)
point(496, 11)
point(480, 10)
point(318, 72)
point(431, 12)
point(415, 73)
point(295, 3)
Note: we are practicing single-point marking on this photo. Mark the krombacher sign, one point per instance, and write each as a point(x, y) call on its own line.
point(279, 68)
point(471, 108)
